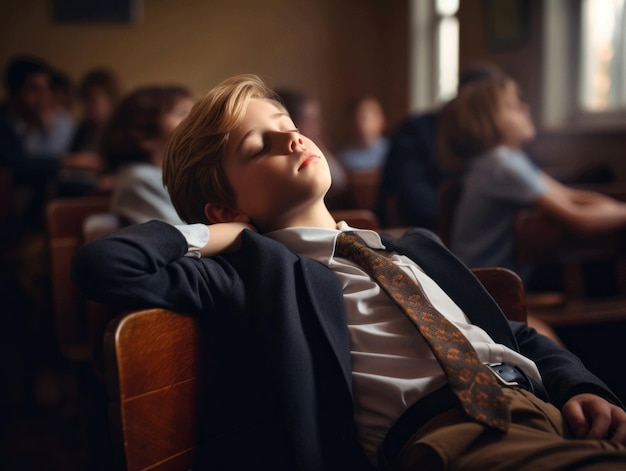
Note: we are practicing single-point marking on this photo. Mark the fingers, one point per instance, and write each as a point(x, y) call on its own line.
point(594, 418)
point(600, 417)
point(573, 412)
point(618, 426)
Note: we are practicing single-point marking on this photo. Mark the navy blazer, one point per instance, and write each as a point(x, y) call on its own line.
point(280, 395)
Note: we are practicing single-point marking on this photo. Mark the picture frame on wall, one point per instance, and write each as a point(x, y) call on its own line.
point(507, 23)
point(97, 11)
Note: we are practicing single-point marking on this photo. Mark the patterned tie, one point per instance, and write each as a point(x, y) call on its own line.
point(480, 394)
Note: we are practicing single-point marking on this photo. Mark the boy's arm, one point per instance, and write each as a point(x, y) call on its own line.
point(145, 266)
point(582, 211)
point(225, 237)
point(564, 375)
point(590, 408)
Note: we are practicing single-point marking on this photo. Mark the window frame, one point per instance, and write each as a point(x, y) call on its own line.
point(561, 72)
point(423, 55)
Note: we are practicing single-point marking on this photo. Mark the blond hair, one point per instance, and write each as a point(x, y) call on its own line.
point(468, 124)
point(193, 167)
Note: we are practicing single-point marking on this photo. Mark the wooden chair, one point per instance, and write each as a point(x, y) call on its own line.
point(152, 360)
point(542, 242)
point(449, 193)
point(363, 189)
point(65, 218)
point(359, 218)
point(153, 366)
point(506, 288)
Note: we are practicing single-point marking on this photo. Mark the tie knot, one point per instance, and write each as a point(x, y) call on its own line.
point(348, 243)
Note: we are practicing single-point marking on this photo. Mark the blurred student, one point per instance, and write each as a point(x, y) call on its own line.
point(63, 91)
point(487, 126)
point(412, 173)
point(134, 144)
point(368, 145)
point(306, 113)
point(34, 136)
point(98, 94)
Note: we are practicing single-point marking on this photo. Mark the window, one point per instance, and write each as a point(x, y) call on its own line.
point(585, 63)
point(434, 52)
point(447, 26)
point(602, 58)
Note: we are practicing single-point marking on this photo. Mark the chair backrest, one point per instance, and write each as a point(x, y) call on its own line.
point(360, 218)
point(363, 189)
point(65, 218)
point(449, 193)
point(541, 241)
point(152, 360)
point(506, 288)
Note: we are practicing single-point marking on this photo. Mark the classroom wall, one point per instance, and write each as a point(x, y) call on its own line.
point(328, 49)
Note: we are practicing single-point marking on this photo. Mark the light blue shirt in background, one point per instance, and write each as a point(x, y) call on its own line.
point(496, 186)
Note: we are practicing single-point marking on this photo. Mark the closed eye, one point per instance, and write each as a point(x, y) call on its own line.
point(260, 151)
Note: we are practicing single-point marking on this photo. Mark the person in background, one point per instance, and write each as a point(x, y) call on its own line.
point(306, 113)
point(34, 137)
point(63, 92)
point(368, 145)
point(98, 94)
point(411, 175)
point(134, 143)
point(486, 126)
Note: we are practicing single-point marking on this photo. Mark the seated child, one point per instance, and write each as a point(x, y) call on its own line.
point(317, 367)
point(368, 146)
point(98, 95)
point(486, 126)
point(134, 145)
point(306, 113)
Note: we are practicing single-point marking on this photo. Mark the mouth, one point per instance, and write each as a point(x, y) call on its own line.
point(306, 160)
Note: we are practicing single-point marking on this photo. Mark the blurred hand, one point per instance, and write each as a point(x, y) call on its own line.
point(593, 417)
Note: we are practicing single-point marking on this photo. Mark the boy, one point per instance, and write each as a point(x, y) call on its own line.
point(318, 368)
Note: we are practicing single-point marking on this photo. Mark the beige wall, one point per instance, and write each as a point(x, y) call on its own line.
point(331, 49)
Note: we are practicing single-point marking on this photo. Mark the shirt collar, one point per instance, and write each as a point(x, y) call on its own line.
point(319, 243)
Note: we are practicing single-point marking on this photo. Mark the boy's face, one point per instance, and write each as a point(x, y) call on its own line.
point(273, 169)
point(515, 122)
point(35, 98)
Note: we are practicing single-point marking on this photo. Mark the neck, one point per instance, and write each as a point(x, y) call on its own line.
point(368, 141)
point(316, 215)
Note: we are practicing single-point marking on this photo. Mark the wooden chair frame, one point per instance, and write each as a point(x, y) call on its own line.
point(65, 218)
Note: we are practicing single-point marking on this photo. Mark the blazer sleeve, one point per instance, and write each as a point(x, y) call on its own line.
point(564, 374)
point(144, 266)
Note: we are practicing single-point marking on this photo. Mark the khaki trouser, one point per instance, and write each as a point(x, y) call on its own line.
point(536, 441)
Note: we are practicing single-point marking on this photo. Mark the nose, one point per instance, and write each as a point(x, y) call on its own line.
point(295, 141)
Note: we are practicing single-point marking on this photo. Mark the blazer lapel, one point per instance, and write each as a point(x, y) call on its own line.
point(327, 302)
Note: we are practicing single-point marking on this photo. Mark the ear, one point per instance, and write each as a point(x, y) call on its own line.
point(216, 213)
